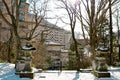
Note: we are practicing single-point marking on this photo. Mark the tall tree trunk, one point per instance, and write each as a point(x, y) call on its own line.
point(111, 32)
point(92, 27)
point(119, 42)
point(10, 46)
point(117, 17)
point(17, 40)
point(76, 50)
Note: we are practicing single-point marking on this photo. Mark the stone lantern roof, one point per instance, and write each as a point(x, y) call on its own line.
point(28, 47)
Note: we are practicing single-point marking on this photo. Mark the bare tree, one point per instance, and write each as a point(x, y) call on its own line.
point(72, 15)
point(93, 21)
point(38, 14)
point(117, 16)
point(12, 19)
point(111, 32)
point(91, 17)
point(111, 2)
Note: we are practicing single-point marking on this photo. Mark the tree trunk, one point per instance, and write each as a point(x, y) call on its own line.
point(111, 32)
point(119, 53)
point(10, 43)
point(76, 51)
point(117, 18)
point(18, 44)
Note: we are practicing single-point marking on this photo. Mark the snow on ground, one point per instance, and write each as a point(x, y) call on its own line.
point(7, 73)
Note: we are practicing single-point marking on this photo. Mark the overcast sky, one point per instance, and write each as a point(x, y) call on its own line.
point(59, 12)
point(56, 13)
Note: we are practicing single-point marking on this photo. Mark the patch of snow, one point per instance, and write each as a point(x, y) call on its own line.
point(7, 72)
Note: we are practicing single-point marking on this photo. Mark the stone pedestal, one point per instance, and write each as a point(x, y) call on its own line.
point(101, 74)
point(100, 68)
point(25, 74)
point(23, 65)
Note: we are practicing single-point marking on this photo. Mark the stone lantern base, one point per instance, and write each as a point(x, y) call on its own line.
point(100, 68)
point(25, 74)
point(101, 74)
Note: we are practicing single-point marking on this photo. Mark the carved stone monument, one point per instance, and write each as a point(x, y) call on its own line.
point(23, 66)
point(100, 68)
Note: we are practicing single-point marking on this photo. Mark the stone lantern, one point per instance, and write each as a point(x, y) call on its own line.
point(24, 60)
point(100, 68)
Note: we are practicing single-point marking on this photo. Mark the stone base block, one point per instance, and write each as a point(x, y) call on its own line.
point(101, 74)
point(25, 75)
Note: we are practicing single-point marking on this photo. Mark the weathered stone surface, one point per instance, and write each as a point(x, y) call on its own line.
point(25, 75)
point(101, 74)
